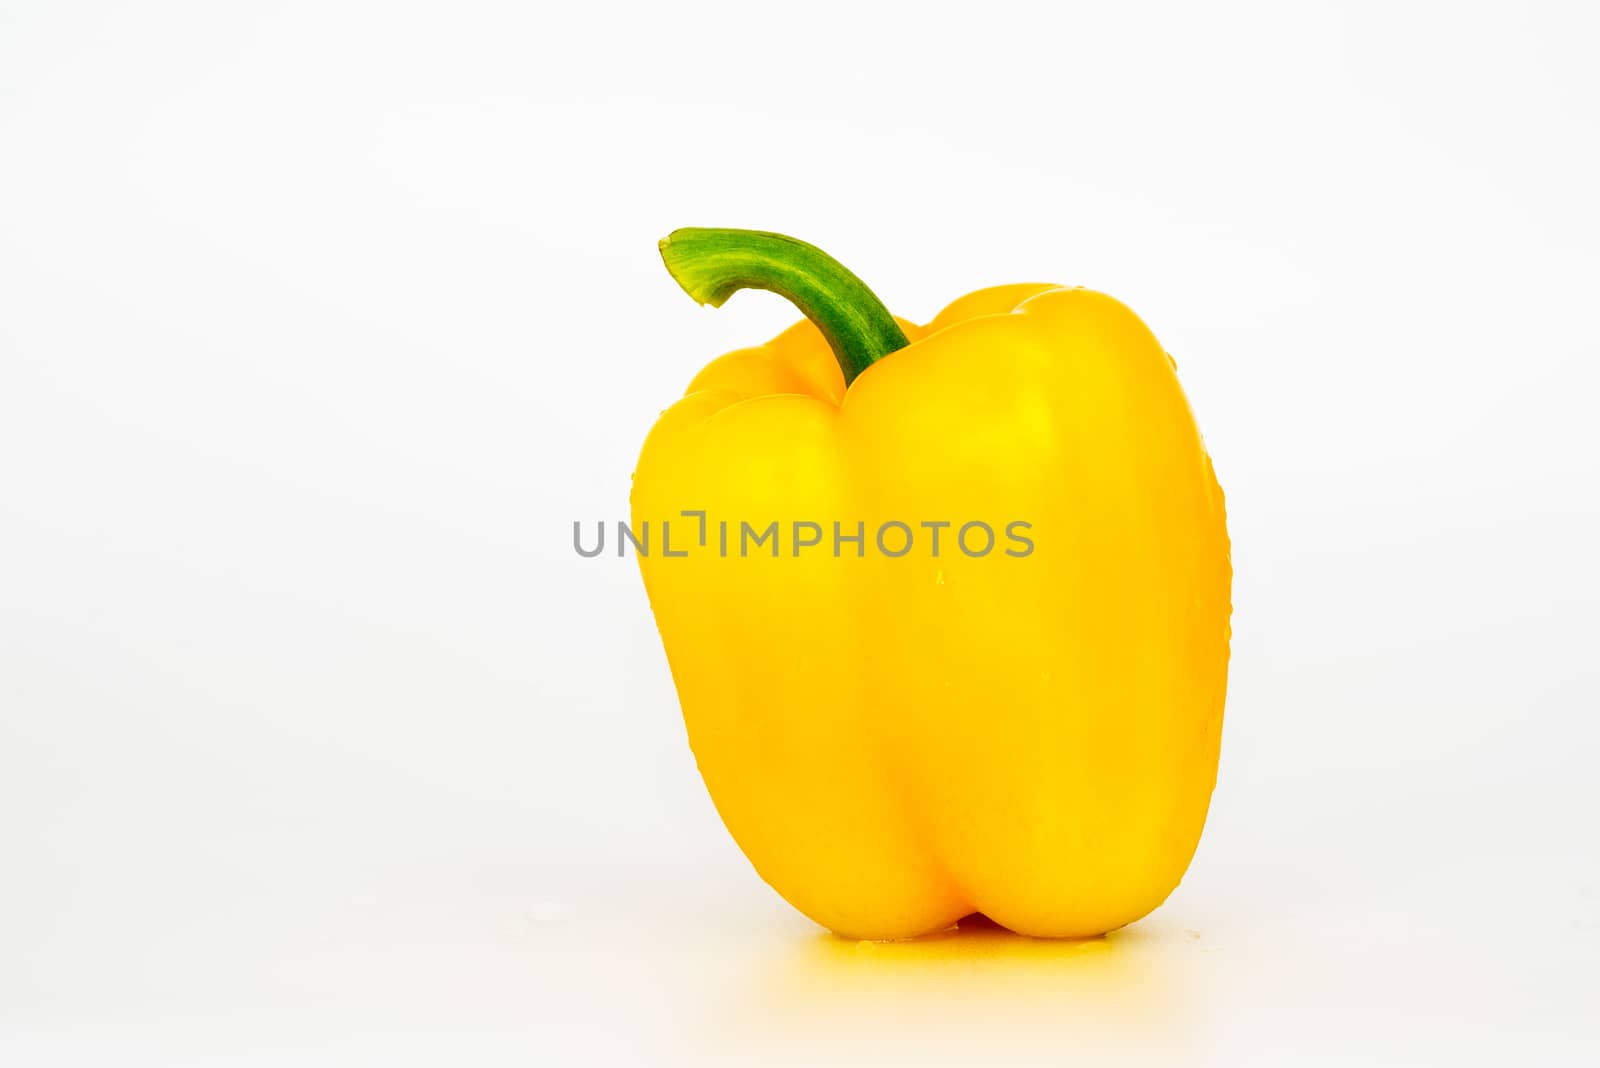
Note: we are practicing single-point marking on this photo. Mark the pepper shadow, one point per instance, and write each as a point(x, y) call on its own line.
point(973, 989)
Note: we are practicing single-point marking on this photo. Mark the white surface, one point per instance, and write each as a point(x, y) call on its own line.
point(322, 322)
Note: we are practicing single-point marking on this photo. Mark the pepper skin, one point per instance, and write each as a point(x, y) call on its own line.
point(896, 742)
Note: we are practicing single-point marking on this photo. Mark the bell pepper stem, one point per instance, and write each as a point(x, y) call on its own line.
point(712, 265)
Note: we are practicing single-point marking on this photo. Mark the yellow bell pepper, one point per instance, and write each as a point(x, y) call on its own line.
point(899, 739)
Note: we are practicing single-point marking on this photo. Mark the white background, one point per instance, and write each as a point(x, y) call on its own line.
point(320, 324)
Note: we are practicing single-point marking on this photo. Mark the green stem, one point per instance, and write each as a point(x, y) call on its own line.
point(713, 265)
